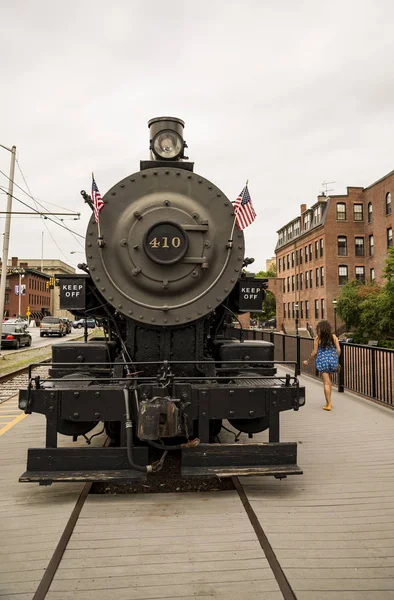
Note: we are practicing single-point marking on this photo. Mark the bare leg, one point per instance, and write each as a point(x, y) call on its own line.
point(327, 390)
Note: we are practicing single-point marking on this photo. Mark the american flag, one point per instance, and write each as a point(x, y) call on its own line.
point(243, 209)
point(97, 200)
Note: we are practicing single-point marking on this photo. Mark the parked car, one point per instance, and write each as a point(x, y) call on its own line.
point(52, 326)
point(16, 321)
point(14, 336)
point(91, 323)
point(270, 323)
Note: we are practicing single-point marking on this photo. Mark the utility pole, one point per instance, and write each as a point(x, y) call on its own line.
point(42, 251)
point(6, 241)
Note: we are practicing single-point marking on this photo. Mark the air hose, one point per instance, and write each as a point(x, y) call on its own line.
point(154, 467)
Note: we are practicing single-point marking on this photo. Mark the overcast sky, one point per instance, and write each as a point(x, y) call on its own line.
point(287, 94)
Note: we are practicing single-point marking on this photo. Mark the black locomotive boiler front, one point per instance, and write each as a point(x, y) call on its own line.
point(163, 276)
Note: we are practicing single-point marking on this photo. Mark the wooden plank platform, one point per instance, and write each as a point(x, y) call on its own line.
point(164, 546)
point(332, 529)
point(32, 518)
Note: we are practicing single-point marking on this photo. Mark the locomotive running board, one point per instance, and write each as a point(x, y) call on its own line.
point(47, 465)
point(231, 460)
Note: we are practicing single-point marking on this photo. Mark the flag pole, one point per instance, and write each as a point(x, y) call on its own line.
point(99, 241)
point(230, 242)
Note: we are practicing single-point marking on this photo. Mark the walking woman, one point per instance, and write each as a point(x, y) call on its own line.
point(326, 348)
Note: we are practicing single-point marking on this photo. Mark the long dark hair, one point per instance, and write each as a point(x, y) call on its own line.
point(324, 332)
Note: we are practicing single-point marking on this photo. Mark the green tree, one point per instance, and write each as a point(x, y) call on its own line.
point(348, 304)
point(369, 309)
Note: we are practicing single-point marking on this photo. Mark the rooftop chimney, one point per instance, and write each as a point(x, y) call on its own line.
point(303, 208)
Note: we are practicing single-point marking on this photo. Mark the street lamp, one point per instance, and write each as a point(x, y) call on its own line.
point(7, 227)
point(296, 316)
point(334, 303)
point(298, 345)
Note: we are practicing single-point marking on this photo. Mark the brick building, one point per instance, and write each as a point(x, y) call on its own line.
point(336, 240)
point(26, 287)
point(52, 267)
point(34, 274)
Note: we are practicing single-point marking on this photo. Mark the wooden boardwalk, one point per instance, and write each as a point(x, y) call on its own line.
point(332, 529)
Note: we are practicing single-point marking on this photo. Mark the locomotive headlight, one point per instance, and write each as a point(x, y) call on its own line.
point(167, 144)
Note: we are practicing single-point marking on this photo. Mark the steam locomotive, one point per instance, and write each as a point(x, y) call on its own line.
point(165, 277)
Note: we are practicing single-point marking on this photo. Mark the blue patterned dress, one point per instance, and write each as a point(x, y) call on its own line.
point(327, 359)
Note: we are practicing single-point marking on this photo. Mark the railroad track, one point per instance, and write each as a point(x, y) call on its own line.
point(11, 383)
point(55, 561)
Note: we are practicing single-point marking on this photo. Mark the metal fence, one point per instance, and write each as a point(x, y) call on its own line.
point(365, 370)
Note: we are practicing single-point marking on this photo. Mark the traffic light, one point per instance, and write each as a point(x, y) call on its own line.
point(47, 285)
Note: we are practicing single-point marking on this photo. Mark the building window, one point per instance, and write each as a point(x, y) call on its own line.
point(306, 279)
point(316, 309)
point(371, 244)
point(317, 215)
point(296, 257)
point(292, 310)
point(284, 263)
point(288, 310)
point(306, 309)
point(342, 273)
point(288, 284)
point(317, 249)
point(297, 282)
point(284, 310)
point(342, 245)
point(317, 277)
point(369, 212)
point(284, 286)
point(288, 261)
point(292, 259)
point(307, 220)
point(300, 281)
point(310, 278)
point(359, 246)
point(341, 211)
point(6, 298)
point(360, 274)
point(322, 276)
point(358, 212)
point(388, 204)
point(310, 252)
point(372, 275)
point(302, 309)
point(389, 237)
point(322, 308)
point(300, 256)
point(306, 254)
point(292, 283)
point(279, 265)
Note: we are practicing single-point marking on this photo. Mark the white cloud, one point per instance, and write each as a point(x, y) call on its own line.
point(285, 94)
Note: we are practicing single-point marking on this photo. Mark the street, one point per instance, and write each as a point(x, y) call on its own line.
point(40, 342)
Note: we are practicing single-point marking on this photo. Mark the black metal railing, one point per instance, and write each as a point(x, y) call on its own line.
point(365, 370)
